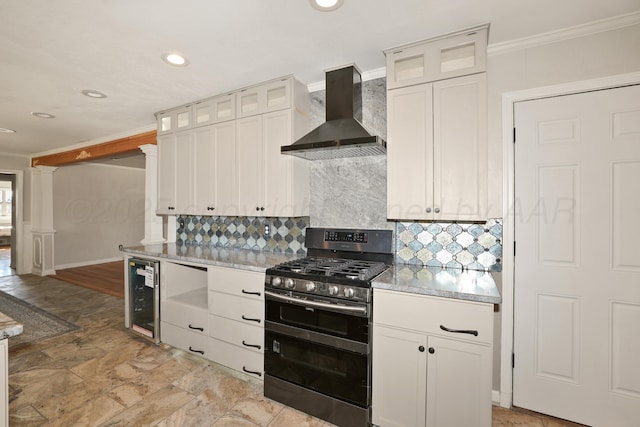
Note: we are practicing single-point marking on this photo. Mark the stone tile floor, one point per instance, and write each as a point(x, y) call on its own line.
point(102, 375)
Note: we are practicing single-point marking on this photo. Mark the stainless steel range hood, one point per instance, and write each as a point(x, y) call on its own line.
point(342, 135)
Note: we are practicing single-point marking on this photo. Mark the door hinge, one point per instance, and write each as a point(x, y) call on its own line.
point(514, 248)
point(513, 360)
point(514, 135)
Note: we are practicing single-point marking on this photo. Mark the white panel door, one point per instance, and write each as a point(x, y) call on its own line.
point(577, 264)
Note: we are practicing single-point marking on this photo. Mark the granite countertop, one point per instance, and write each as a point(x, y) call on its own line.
point(9, 327)
point(468, 285)
point(242, 259)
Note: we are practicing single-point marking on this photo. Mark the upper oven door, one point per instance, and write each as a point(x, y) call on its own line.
point(320, 315)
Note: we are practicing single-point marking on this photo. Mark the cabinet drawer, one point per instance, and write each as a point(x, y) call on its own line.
point(246, 310)
point(185, 340)
point(245, 336)
point(185, 317)
point(237, 282)
point(247, 361)
point(427, 314)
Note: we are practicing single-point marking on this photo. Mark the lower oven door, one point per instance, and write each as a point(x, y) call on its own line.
point(318, 345)
point(293, 355)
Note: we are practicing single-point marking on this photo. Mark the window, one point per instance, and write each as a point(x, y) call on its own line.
point(6, 197)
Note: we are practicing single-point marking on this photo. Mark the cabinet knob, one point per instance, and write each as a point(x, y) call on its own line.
point(421, 349)
point(437, 210)
point(432, 350)
point(261, 208)
point(428, 210)
point(257, 208)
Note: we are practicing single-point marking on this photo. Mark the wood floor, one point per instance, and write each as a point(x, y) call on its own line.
point(107, 278)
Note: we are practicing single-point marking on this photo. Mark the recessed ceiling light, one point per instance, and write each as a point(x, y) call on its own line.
point(93, 93)
point(42, 115)
point(5, 130)
point(175, 59)
point(326, 5)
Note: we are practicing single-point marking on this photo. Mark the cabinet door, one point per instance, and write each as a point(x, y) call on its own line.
point(224, 107)
point(203, 113)
point(223, 163)
point(277, 95)
point(458, 383)
point(399, 377)
point(166, 174)
point(204, 184)
point(460, 148)
point(184, 173)
point(439, 58)
point(277, 168)
point(250, 102)
point(410, 153)
point(249, 166)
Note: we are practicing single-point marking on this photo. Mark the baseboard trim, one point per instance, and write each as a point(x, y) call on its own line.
point(495, 397)
point(85, 263)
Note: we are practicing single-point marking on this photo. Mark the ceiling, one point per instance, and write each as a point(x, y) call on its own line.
point(52, 50)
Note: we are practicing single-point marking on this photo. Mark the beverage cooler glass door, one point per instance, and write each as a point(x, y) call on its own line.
point(143, 297)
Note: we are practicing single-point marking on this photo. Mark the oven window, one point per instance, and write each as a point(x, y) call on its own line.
point(334, 372)
point(327, 322)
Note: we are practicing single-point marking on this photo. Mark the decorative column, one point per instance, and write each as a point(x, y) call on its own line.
point(152, 222)
point(42, 220)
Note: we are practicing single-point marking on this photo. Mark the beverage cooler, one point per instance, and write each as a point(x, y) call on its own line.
point(144, 301)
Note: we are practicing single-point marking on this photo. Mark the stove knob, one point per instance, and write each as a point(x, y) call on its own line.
point(310, 287)
point(333, 290)
point(276, 281)
point(289, 283)
point(349, 292)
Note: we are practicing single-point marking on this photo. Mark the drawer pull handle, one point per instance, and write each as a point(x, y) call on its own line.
point(459, 331)
point(250, 319)
point(251, 293)
point(196, 328)
point(252, 372)
point(196, 351)
point(251, 345)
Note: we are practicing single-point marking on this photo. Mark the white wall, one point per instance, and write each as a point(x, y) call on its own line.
point(598, 55)
point(96, 208)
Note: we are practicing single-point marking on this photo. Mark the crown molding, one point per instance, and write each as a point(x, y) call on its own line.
point(594, 27)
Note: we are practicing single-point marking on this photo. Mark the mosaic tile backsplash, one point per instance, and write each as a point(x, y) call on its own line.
point(450, 245)
point(284, 235)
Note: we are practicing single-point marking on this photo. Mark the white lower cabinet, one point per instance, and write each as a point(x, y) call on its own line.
point(424, 375)
point(236, 319)
point(186, 340)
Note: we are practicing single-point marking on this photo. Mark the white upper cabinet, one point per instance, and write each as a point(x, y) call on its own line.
point(175, 184)
point(174, 120)
point(437, 150)
point(213, 159)
point(451, 55)
point(225, 159)
point(437, 128)
point(264, 98)
point(214, 110)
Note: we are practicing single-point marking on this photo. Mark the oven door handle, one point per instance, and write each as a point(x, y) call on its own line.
point(334, 307)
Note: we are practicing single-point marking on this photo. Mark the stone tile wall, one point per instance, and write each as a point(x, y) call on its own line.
point(284, 235)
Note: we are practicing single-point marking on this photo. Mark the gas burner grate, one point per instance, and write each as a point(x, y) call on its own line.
point(334, 267)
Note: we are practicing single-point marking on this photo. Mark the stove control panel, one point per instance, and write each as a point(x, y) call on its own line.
point(353, 293)
point(346, 236)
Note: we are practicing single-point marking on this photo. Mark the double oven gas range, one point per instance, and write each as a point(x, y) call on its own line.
point(318, 324)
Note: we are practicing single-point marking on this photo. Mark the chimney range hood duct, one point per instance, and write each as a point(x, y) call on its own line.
point(342, 134)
